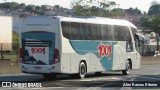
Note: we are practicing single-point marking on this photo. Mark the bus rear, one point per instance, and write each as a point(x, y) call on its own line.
point(39, 52)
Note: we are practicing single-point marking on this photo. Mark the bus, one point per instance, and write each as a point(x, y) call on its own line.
point(53, 45)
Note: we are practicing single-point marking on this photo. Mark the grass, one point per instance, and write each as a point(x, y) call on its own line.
point(13, 55)
point(16, 37)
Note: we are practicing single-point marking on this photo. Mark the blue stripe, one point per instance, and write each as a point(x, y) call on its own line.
point(84, 47)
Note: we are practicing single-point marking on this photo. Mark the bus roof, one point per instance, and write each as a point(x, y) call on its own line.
point(98, 20)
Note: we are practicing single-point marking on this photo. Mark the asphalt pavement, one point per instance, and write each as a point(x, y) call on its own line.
point(147, 75)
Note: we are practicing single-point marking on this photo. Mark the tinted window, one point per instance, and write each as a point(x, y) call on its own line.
point(96, 31)
point(66, 29)
point(107, 32)
point(86, 32)
point(128, 35)
point(134, 31)
point(121, 33)
point(75, 31)
point(139, 41)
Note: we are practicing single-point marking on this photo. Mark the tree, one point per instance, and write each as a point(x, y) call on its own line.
point(154, 3)
point(14, 5)
point(5, 5)
point(133, 11)
point(57, 7)
point(107, 5)
point(102, 8)
point(37, 8)
point(153, 22)
point(118, 12)
point(31, 8)
point(9, 5)
point(22, 6)
point(154, 9)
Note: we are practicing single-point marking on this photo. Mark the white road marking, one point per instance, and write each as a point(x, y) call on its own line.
point(153, 68)
point(48, 88)
point(94, 88)
point(95, 79)
point(42, 88)
point(150, 78)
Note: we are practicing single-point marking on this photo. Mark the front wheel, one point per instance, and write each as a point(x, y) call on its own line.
point(126, 71)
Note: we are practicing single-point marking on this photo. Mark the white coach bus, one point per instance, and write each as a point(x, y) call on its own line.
point(52, 45)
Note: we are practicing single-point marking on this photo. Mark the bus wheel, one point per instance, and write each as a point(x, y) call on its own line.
point(49, 76)
point(82, 70)
point(98, 73)
point(126, 71)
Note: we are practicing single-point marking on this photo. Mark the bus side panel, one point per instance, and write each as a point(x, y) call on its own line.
point(119, 56)
point(71, 61)
point(95, 64)
point(76, 59)
point(135, 57)
point(102, 50)
point(67, 52)
point(65, 62)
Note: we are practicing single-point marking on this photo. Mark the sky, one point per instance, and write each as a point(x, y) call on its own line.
point(143, 5)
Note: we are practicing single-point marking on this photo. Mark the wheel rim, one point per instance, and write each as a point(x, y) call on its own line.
point(127, 68)
point(82, 70)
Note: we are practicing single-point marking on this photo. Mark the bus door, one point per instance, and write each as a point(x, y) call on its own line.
point(131, 50)
point(139, 43)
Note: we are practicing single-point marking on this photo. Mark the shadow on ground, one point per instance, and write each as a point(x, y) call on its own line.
point(12, 67)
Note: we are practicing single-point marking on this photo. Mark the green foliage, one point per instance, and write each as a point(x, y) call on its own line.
point(107, 5)
point(9, 5)
point(154, 9)
point(134, 11)
point(22, 6)
point(15, 46)
point(117, 12)
point(31, 8)
point(153, 23)
point(39, 10)
point(96, 8)
point(15, 37)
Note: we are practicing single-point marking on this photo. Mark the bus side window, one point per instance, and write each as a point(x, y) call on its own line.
point(129, 39)
point(107, 33)
point(128, 35)
point(66, 29)
point(136, 37)
point(75, 31)
point(86, 32)
point(120, 33)
point(96, 31)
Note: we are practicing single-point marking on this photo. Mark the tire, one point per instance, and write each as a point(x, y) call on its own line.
point(98, 73)
point(49, 76)
point(126, 71)
point(82, 71)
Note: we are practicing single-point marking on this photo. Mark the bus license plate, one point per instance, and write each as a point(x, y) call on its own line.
point(38, 68)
